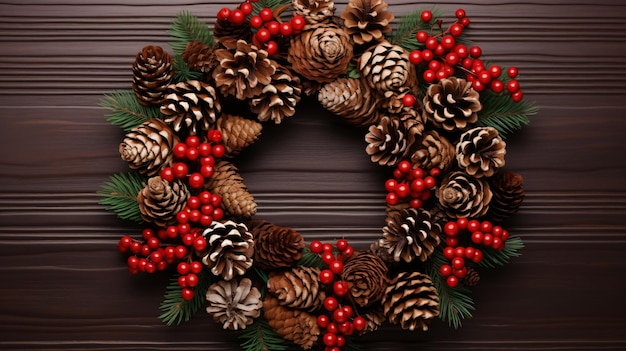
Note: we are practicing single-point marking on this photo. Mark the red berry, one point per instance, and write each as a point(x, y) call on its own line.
point(340, 288)
point(467, 64)
point(403, 190)
point(460, 273)
point(209, 160)
point(427, 55)
point(206, 220)
point(199, 244)
point(426, 16)
point(263, 35)
point(512, 72)
point(465, 21)
point(445, 270)
point(417, 173)
point(223, 14)
point(397, 174)
point(207, 171)
point(339, 315)
point(452, 59)
point(348, 310)
point(195, 267)
point(180, 170)
point(497, 243)
point(461, 50)
point(486, 226)
point(298, 23)
point(458, 263)
point(196, 180)
point(153, 243)
point(216, 200)
point(180, 252)
point(478, 86)
point(505, 235)
point(218, 214)
point(475, 51)
point(459, 13)
point(477, 237)
point(478, 256)
point(434, 65)
point(182, 268)
point(330, 303)
point(346, 328)
point(167, 173)
point(451, 229)
point(323, 320)
point(187, 294)
point(456, 29)
point(214, 136)
point(348, 252)
point(237, 17)
point(204, 149)
point(183, 228)
point(182, 281)
point(329, 339)
point(452, 281)
point(439, 50)
point(271, 47)
point(487, 239)
point(332, 328)
point(430, 182)
point(497, 86)
point(326, 276)
point(327, 247)
point(459, 251)
point(418, 185)
point(246, 7)
point(273, 27)
point(328, 257)
point(416, 203)
point(429, 76)
point(342, 244)
point(496, 230)
point(453, 242)
point(415, 57)
point(392, 199)
point(431, 43)
point(484, 77)
point(192, 141)
point(266, 14)
point(448, 42)
point(473, 225)
point(421, 36)
point(408, 100)
point(336, 266)
point(359, 323)
point(180, 150)
point(512, 86)
point(448, 252)
point(316, 246)
point(286, 29)
point(191, 280)
point(517, 96)
point(256, 22)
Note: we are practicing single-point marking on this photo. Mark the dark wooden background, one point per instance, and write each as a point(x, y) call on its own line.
point(65, 287)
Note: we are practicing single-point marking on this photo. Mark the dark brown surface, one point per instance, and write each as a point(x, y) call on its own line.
point(64, 286)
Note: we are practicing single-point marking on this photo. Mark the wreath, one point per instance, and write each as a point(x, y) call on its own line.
point(434, 116)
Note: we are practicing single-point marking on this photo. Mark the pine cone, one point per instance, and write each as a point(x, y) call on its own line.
point(234, 303)
point(159, 201)
point(472, 278)
point(385, 67)
point(321, 52)
point(191, 107)
point(367, 21)
point(508, 195)
point(366, 275)
point(279, 98)
point(350, 99)
point(297, 288)
point(410, 234)
point(374, 318)
point(392, 101)
point(198, 56)
point(433, 150)
point(243, 69)
point(480, 151)
point(295, 325)
point(452, 104)
point(236, 31)
point(237, 133)
point(411, 300)
point(314, 11)
point(276, 247)
point(461, 195)
point(152, 72)
point(227, 183)
point(229, 249)
point(389, 141)
point(147, 147)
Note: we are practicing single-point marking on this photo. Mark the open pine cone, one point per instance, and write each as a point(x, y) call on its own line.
point(147, 147)
point(385, 67)
point(228, 184)
point(230, 248)
point(297, 287)
point(351, 99)
point(159, 201)
point(452, 104)
point(237, 133)
point(278, 99)
point(366, 275)
point(433, 150)
point(480, 151)
point(389, 141)
point(152, 73)
point(367, 21)
point(198, 56)
point(191, 107)
point(410, 234)
point(314, 11)
point(461, 195)
point(234, 303)
point(276, 246)
point(508, 195)
point(292, 324)
point(411, 300)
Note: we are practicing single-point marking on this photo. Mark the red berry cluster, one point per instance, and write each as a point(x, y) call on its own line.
point(482, 233)
point(237, 16)
point(410, 183)
point(339, 321)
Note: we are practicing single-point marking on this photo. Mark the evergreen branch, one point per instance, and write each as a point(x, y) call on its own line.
point(174, 308)
point(186, 28)
point(120, 195)
point(126, 111)
point(493, 258)
point(504, 114)
point(408, 26)
point(310, 259)
point(182, 72)
point(261, 337)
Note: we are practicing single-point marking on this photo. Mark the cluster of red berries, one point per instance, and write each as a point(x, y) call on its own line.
point(410, 183)
point(340, 320)
point(482, 233)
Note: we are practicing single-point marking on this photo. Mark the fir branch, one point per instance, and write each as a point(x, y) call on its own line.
point(504, 114)
point(120, 195)
point(126, 111)
point(261, 337)
point(174, 308)
point(186, 28)
point(493, 258)
point(310, 259)
point(182, 72)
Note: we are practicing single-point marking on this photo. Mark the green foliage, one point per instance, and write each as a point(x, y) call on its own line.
point(502, 113)
point(126, 111)
point(309, 259)
point(186, 28)
point(174, 308)
point(182, 72)
point(119, 194)
point(493, 258)
point(353, 72)
point(408, 26)
point(272, 4)
point(261, 337)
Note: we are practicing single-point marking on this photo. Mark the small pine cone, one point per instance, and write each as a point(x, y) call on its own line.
point(393, 101)
point(411, 300)
point(159, 201)
point(410, 234)
point(226, 28)
point(366, 275)
point(471, 278)
point(508, 195)
point(237, 133)
point(480, 151)
point(292, 324)
point(321, 52)
point(198, 56)
point(352, 100)
point(433, 150)
point(367, 21)
point(374, 318)
point(279, 98)
point(276, 246)
point(452, 104)
point(191, 107)
point(389, 141)
point(152, 73)
point(385, 67)
point(235, 304)
point(297, 288)
point(413, 122)
point(228, 183)
point(147, 147)
point(230, 248)
point(461, 195)
point(314, 11)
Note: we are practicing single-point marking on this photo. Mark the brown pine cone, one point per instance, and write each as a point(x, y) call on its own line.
point(147, 147)
point(389, 141)
point(230, 248)
point(198, 56)
point(321, 52)
point(314, 11)
point(385, 67)
point(235, 304)
point(237, 133)
point(351, 99)
point(433, 150)
point(278, 99)
point(297, 287)
point(236, 31)
point(461, 195)
point(508, 195)
point(374, 318)
point(367, 21)
point(366, 275)
point(392, 101)
point(275, 246)
point(480, 151)
point(191, 107)
point(411, 300)
point(292, 324)
point(152, 73)
point(452, 104)
point(472, 278)
point(228, 183)
point(159, 201)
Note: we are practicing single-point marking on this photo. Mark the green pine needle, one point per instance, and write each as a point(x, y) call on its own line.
point(175, 309)
point(272, 4)
point(186, 28)
point(182, 72)
point(309, 259)
point(126, 111)
point(502, 113)
point(119, 194)
point(353, 72)
point(261, 337)
point(493, 258)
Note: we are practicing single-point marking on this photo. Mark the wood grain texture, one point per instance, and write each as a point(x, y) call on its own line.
point(64, 286)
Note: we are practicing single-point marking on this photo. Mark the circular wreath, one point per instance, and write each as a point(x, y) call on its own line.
point(434, 116)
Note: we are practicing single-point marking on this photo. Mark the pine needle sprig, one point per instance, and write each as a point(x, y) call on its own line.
point(175, 309)
point(126, 111)
point(504, 114)
point(119, 194)
point(261, 337)
point(408, 26)
point(494, 258)
point(186, 28)
point(182, 72)
point(310, 259)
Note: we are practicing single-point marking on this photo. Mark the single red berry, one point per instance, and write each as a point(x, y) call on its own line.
point(469, 252)
point(452, 281)
point(517, 96)
point(496, 243)
point(462, 222)
point(182, 281)
point(256, 22)
point(448, 42)
point(495, 71)
point(390, 185)
point(431, 43)
point(451, 229)
point(298, 23)
point(340, 288)
point(327, 247)
point(416, 203)
point(497, 86)
point(445, 270)
point(132, 262)
point(458, 263)
point(392, 199)
point(427, 55)
point(194, 216)
point(429, 76)
point(487, 239)
point(430, 182)
point(273, 27)
point(452, 59)
point(477, 237)
point(218, 214)
point(346, 328)
point(187, 294)
point(418, 185)
point(150, 267)
point(326, 276)
point(417, 173)
point(330, 303)
point(237, 17)
point(348, 252)
point(192, 141)
point(167, 173)
point(323, 320)
point(359, 323)
point(460, 273)
point(342, 244)
point(434, 65)
point(426, 16)
point(512, 72)
point(486, 226)
point(218, 150)
point(271, 47)
point(206, 220)
point(465, 22)
point(266, 14)
point(204, 149)
point(484, 77)
point(341, 341)
point(467, 64)
point(214, 136)
point(263, 35)
point(336, 266)
point(171, 232)
point(398, 174)
point(180, 150)
point(408, 100)
point(182, 268)
point(448, 252)
point(332, 328)
point(440, 74)
point(339, 315)
point(421, 36)
point(512, 86)
point(216, 200)
point(246, 7)
point(316, 246)
point(348, 309)
point(478, 256)
point(473, 225)
point(476, 51)
point(196, 180)
point(183, 228)
point(459, 251)
point(439, 50)
point(497, 231)
point(453, 242)
point(192, 280)
point(180, 170)
point(223, 14)
point(209, 160)
point(459, 13)
point(435, 172)
point(329, 339)
point(403, 190)
point(415, 57)
point(461, 50)
point(286, 29)
point(180, 252)
point(328, 257)
point(153, 243)
point(195, 267)
point(456, 29)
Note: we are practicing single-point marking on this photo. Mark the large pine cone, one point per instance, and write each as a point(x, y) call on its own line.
point(410, 234)
point(389, 141)
point(433, 150)
point(243, 69)
point(237, 133)
point(276, 246)
point(279, 98)
point(230, 248)
point(234, 303)
point(147, 147)
point(152, 73)
point(385, 67)
point(452, 104)
point(352, 100)
point(226, 28)
point(366, 275)
point(321, 52)
point(480, 151)
point(297, 288)
point(367, 21)
point(411, 300)
point(461, 195)
point(292, 324)
point(228, 183)
point(191, 107)
point(314, 11)
point(198, 56)
point(508, 195)
point(159, 201)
